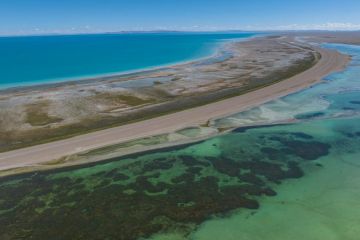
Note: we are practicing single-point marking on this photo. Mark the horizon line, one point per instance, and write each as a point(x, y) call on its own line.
point(174, 31)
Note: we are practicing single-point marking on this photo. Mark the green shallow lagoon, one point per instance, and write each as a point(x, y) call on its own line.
point(324, 204)
point(294, 181)
point(179, 188)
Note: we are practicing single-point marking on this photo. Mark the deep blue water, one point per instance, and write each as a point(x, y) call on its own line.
point(42, 59)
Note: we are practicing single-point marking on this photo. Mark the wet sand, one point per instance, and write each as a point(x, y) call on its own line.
point(352, 37)
point(331, 61)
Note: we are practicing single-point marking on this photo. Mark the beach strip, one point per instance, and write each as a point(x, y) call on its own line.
point(331, 61)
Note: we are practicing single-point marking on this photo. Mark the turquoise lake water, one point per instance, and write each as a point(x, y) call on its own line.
point(274, 182)
point(43, 59)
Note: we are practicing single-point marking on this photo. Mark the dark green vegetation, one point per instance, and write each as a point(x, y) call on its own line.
point(174, 189)
point(310, 115)
point(166, 105)
point(126, 99)
point(36, 116)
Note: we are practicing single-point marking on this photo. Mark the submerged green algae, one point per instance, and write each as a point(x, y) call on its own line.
point(322, 205)
point(175, 189)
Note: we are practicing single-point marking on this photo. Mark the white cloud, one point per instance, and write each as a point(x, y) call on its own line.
point(331, 26)
point(335, 26)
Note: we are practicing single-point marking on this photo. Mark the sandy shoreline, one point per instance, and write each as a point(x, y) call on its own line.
point(40, 115)
point(218, 51)
point(331, 61)
point(115, 75)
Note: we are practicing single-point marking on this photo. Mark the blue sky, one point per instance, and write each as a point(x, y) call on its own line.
point(71, 16)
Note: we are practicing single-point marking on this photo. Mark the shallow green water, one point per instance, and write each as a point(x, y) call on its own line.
point(295, 181)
